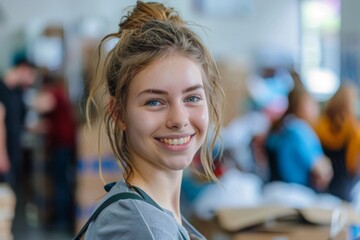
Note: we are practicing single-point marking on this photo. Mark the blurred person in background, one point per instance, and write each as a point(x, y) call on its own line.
point(244, 136)
point(294, 150)
point(12, 118)
point(338, 129)
point(18, 78)
point(58, 124)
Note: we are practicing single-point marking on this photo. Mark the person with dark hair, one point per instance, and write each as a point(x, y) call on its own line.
point(294, 150)
point(12, 113)
point(21, 76)
point(164, 96)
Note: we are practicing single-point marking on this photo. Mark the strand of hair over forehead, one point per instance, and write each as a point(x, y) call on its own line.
point(132, 24)
point(141, 14)
point(134, 20)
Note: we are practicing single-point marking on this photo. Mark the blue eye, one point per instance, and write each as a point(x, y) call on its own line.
point(192, 99)
point(153, 102)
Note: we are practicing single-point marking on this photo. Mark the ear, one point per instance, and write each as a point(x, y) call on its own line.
point(115, 115)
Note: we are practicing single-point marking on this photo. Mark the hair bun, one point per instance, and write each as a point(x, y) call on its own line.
point(149, 11)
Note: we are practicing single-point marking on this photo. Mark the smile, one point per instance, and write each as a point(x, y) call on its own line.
point(175, 141)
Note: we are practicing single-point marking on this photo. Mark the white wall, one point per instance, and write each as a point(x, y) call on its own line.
point(350, 41)
point(271, 23)
point(350, 16)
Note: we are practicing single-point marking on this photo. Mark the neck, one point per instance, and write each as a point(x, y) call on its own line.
point(164, 189)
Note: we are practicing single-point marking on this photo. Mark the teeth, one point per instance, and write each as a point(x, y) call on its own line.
point(175, 141)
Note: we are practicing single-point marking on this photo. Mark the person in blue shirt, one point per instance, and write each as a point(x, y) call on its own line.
point(294, 151)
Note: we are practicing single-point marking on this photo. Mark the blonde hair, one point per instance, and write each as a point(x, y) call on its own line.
point(148, 33)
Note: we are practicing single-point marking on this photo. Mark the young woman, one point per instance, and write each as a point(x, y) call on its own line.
point(164, 96)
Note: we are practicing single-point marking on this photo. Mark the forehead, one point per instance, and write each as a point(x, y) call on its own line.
point(171, 73)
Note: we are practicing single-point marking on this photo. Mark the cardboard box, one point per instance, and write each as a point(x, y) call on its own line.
point(234, 75)
point(89, 185)
point(7, 211)
point(279, 222)
point(289, 231)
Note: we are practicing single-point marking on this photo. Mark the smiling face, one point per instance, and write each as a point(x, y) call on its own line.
point(166, 115)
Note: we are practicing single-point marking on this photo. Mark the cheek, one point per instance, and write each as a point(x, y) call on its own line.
point(201, 119)
point(139, 124)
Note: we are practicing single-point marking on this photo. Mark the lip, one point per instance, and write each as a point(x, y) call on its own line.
point(176, 136)
point(175, 148)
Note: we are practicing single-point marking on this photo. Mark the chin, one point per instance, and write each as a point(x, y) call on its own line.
point(181, 165)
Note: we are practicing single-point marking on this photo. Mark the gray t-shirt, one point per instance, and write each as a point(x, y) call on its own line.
point(136, 219)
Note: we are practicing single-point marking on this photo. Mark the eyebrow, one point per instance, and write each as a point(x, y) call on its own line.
point(162, 92)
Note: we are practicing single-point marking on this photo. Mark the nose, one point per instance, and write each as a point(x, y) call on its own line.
point(178, 117)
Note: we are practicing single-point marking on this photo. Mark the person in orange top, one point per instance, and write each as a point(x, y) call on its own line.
point(339, 132)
